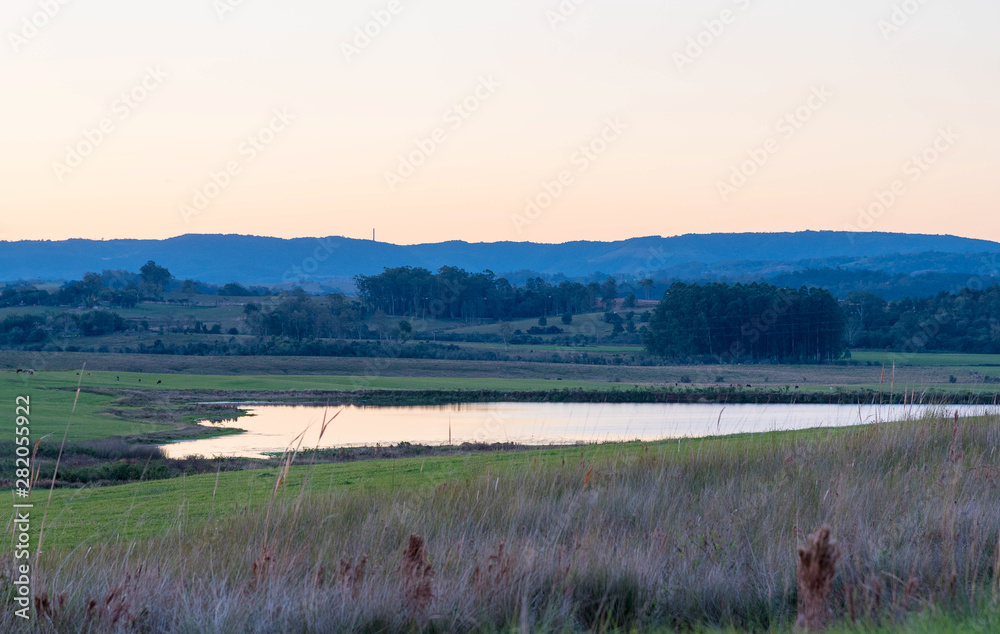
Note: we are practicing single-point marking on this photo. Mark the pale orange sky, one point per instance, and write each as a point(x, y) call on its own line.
point(547, 84)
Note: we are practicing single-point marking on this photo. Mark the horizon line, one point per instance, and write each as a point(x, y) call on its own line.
point(343, 237)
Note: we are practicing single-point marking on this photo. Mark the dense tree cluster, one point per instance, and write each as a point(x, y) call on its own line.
point(298, 315)
point(89, 291)
point(454, 293)
point(967, 321)
point(26, 329)
point(117, 289)
point(754, 322)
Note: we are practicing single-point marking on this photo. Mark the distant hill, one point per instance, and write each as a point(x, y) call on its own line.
point(262, 260)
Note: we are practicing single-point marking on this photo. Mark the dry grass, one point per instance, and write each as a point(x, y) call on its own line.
point(643, 539)
point(817, 567)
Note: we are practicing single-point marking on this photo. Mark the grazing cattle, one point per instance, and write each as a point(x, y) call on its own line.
point(88, 374)
point(118, 378)
point(158, 382)
point(140, 380)
point(19, 370)
point(748, 385)
point(30, 372)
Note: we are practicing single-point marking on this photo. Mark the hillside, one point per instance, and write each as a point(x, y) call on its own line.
point(264, 260)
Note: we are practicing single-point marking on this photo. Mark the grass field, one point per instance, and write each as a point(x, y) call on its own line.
point(579, 349)
point(588, 324)
point(50, 412)
point(692, 534)
point(921, 373)
point(30, 310)
point(163, 381)
point(941, 360)
point(82, 516)
point(56, 376)
point(222, 311)
point(227, 313)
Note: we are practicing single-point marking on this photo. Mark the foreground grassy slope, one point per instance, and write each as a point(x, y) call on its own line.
point(95, 515)
point(700, 533)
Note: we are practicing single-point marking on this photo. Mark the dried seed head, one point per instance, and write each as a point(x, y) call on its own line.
point(417, 573)
point(817, 566)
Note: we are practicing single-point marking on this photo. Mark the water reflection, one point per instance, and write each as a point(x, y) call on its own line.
point(273, 427)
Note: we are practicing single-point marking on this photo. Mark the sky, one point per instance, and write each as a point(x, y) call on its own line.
point(526, 120)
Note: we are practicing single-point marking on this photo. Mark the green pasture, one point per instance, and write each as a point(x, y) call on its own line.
point(148, 380)
point(927, 359)
point(51, 410)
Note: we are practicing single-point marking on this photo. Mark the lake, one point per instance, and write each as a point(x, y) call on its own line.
point(272, 428)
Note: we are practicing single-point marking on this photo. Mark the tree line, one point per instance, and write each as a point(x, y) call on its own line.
point(27, 329)
point(964, 321)
point(753, 322)
point(454, 293)
point(119, 289)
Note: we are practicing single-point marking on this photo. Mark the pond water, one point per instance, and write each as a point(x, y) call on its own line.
point(272, 428)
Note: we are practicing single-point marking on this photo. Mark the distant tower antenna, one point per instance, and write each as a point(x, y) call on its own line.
point(373, 234)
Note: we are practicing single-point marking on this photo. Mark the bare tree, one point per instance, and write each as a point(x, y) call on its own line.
point(505, 333)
